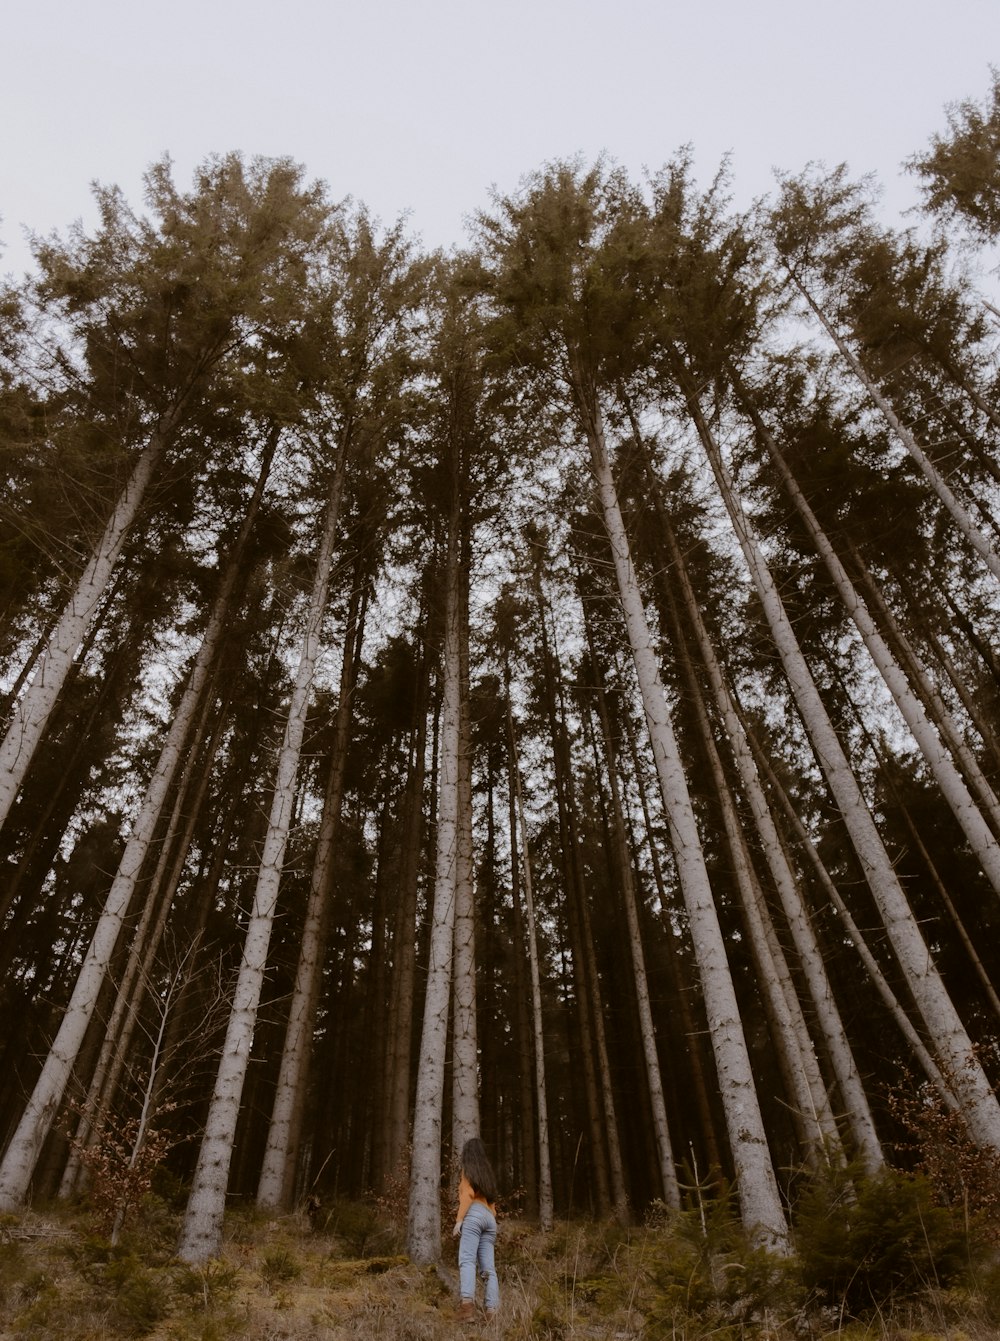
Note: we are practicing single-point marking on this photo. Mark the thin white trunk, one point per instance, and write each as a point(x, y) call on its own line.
point(191, 801)
point(803, 936)
point(148, 1111)
point(465, 1051)
point(592, 984)
point(937, 709)
point(817, 1120)
point(970, 946)
point(148, 934)
point(797, 1058)
point(201, 1233)
point(545, 1201)
point(125, 1011)
point(277, 1176)
point(945, 1028)
point(273, 1188)
point(936, 756)
point(654, 1079)
point(965, 695)
point(758, 1188)
point(958, 513)
point(33, 709)
point(573, 893)
point(22, 1153)
point(853, 931)
point(424, 1222)
point(690, 1030)
point(403, 945)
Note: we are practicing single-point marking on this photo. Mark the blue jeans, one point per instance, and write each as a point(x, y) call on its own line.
point(475, 1250)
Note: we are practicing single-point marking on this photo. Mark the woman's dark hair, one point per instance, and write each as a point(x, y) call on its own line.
point(478, 1169)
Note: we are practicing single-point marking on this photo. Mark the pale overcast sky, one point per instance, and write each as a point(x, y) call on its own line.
point(420, 106)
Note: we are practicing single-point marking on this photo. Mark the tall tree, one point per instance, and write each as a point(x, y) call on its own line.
point(545, 1200)
point(458, 361)
point(815, 224)
point(165, 323)
point(564, 272)
point(961, 169)
point(940, 1016)
point(380, 290)
point(169, 327)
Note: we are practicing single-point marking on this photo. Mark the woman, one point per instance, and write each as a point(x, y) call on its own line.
point(476, 1222)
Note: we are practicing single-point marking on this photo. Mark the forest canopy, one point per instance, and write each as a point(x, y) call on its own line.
point(547, 691)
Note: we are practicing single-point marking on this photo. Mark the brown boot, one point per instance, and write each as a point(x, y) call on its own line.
point(466, 1311)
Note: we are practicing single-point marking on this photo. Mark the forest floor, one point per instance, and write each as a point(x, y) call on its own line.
point(344, 1278)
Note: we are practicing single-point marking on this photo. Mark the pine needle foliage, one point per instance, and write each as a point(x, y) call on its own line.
point(865, 1244)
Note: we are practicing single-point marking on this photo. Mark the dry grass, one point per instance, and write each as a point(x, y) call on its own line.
point(345, 1279)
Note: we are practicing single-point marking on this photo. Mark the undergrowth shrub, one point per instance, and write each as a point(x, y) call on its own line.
point(210, 1284)
point(865, 1243)
point(42, 1317)
point(122, 1155)
point(709, 1279)
point(357, 1225)
point(963, 1174)
point(138, 1297)
point(279, 1265)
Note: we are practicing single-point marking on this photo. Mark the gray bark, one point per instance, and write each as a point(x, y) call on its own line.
point(944, 1026)
point(201, 1233)
point(758, 1188)
point(465, 1051)
point(424, 1221)
point(545, 1201)
point(937, 757)
point(276, 1185)
point(810, 956)
point(33, 709)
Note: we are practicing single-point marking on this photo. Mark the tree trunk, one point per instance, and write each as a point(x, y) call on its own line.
point(654, 1082)
point(797, 1059)
point(851, 928)
point(759, 1197)
point(424, 1222)
point(573, 896)
point(951, 1041)
point(828, 1017)
point(124, 1016)
point(19, 1160)
point(965, 696)
point(958, 513)
point(33, 709)
point(592, 981)
point(930, 695)
point(465, 1051)
point(277, 1178)
point(810, 957)
point(404, 938)
point(946, 899)
point(525, 1162)
point(691, 1031)
point(545, 1202)
point(74, 767)
point(937, 757)
point(201, 1234)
